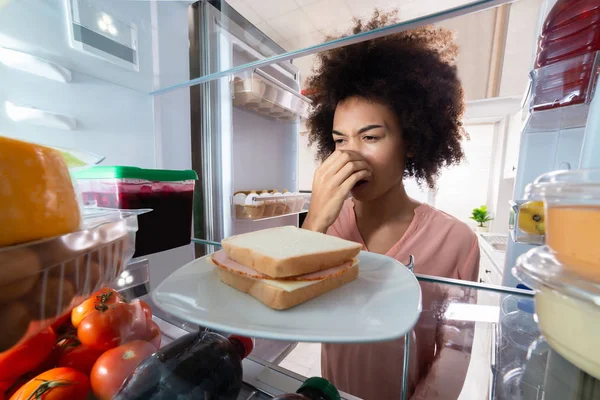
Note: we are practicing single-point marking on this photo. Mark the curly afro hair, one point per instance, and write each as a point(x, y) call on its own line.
point(412, 72)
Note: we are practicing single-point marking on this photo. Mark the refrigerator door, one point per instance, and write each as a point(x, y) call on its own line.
point(237, 148)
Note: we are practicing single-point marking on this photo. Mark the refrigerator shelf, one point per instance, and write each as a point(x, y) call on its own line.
point(269, 207)
point(258, 92)
point(269, 218)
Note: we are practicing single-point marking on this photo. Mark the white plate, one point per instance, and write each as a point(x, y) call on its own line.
point(383, 303)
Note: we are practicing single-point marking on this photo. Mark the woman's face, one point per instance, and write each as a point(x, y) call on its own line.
point(373, 131)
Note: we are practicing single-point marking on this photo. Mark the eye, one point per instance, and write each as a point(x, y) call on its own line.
point(338, 141)
point(370, 138)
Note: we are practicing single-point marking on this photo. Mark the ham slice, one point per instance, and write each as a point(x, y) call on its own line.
point(221, 260)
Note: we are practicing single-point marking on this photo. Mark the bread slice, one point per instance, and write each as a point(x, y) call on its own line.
point(289, 251)
point(280, 299)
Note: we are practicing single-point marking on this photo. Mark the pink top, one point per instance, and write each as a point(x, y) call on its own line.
point(442, 246)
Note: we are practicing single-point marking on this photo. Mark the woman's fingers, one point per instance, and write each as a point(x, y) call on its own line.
point(352, 180)
point(337, 161)
point(349, 169)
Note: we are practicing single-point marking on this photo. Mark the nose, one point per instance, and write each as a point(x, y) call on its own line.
point(357, 146)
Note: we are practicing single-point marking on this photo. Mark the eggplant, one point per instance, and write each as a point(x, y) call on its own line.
point(199, 365)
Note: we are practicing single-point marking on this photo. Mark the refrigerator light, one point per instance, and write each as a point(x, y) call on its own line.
point(34, 65)
point(35, 116)
point(102, 25)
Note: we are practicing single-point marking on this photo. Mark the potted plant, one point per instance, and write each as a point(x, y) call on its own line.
point(481, 216)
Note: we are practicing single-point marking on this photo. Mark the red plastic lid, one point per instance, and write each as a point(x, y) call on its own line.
point(246, 342)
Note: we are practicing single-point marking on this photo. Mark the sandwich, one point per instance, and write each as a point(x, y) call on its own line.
point(286, 266)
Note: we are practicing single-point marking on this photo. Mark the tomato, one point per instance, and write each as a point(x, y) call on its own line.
point(154, 335)
point(142, 327)
point(81, 358)
point(141, 308)
point(106, 329)
point(57, 383)
point(98, 301)
point(114, 366)
point(26, 356)
point(65, 342)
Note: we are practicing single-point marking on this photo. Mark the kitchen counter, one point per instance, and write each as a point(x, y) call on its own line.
point(493, 255)
point(494, 246)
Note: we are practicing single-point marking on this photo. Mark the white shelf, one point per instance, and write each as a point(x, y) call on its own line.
point(271, 207)
point(258, 92)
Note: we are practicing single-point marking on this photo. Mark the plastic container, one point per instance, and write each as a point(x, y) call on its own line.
point(567, 306)
point(313, 389)
point(170, 195)
point(566, 60)
point(261, 93)
point(199, 365)
point(572, 207)
point(566, 83)
point(275, 205)
point(519, 327)
point(526, 223)
point(42, 280)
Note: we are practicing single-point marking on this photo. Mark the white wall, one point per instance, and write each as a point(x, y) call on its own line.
point(307, 164)
point(466, 186)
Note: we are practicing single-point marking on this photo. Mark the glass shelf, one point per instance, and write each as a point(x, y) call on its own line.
point(145, 45)
point(222, 23)
point(490, 336)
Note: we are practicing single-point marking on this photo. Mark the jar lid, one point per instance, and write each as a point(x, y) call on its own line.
point(582, 183)
point(126, 172)
point(321, 385)
point(540, 268)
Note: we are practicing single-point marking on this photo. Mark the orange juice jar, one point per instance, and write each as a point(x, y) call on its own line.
point(572, 205)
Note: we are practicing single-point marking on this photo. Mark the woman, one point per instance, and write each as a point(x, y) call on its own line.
point(385, 110)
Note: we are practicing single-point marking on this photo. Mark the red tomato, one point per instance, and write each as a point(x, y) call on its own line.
point(65, 343)
point(26, 356)
point(141, 308)
point(81, 358)
point(98, 301)
point(154, 335)
point(106, 329)
point(114, 366)
point(142, 327)
point(57, 383)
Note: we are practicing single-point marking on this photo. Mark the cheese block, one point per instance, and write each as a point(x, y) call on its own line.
point(37, 197)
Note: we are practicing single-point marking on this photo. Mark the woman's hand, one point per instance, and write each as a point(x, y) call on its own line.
point(332, 183)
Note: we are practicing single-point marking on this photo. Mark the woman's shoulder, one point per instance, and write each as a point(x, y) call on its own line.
point(451, 246)
point(440, 221)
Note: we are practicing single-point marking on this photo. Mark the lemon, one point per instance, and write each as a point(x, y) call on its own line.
point(531, 218)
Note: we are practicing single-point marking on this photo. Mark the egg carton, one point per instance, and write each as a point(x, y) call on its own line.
point(260, 93)
point(43, 280)
point(275, 206)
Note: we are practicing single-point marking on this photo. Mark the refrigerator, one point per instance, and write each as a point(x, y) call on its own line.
point(88, 75)
point(553, 138)
point(84, 79)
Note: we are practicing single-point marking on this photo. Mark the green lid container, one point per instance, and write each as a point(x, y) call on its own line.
point(321, 385)
point(124, 172)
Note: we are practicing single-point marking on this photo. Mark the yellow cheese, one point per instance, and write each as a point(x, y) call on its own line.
point(37, 198)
